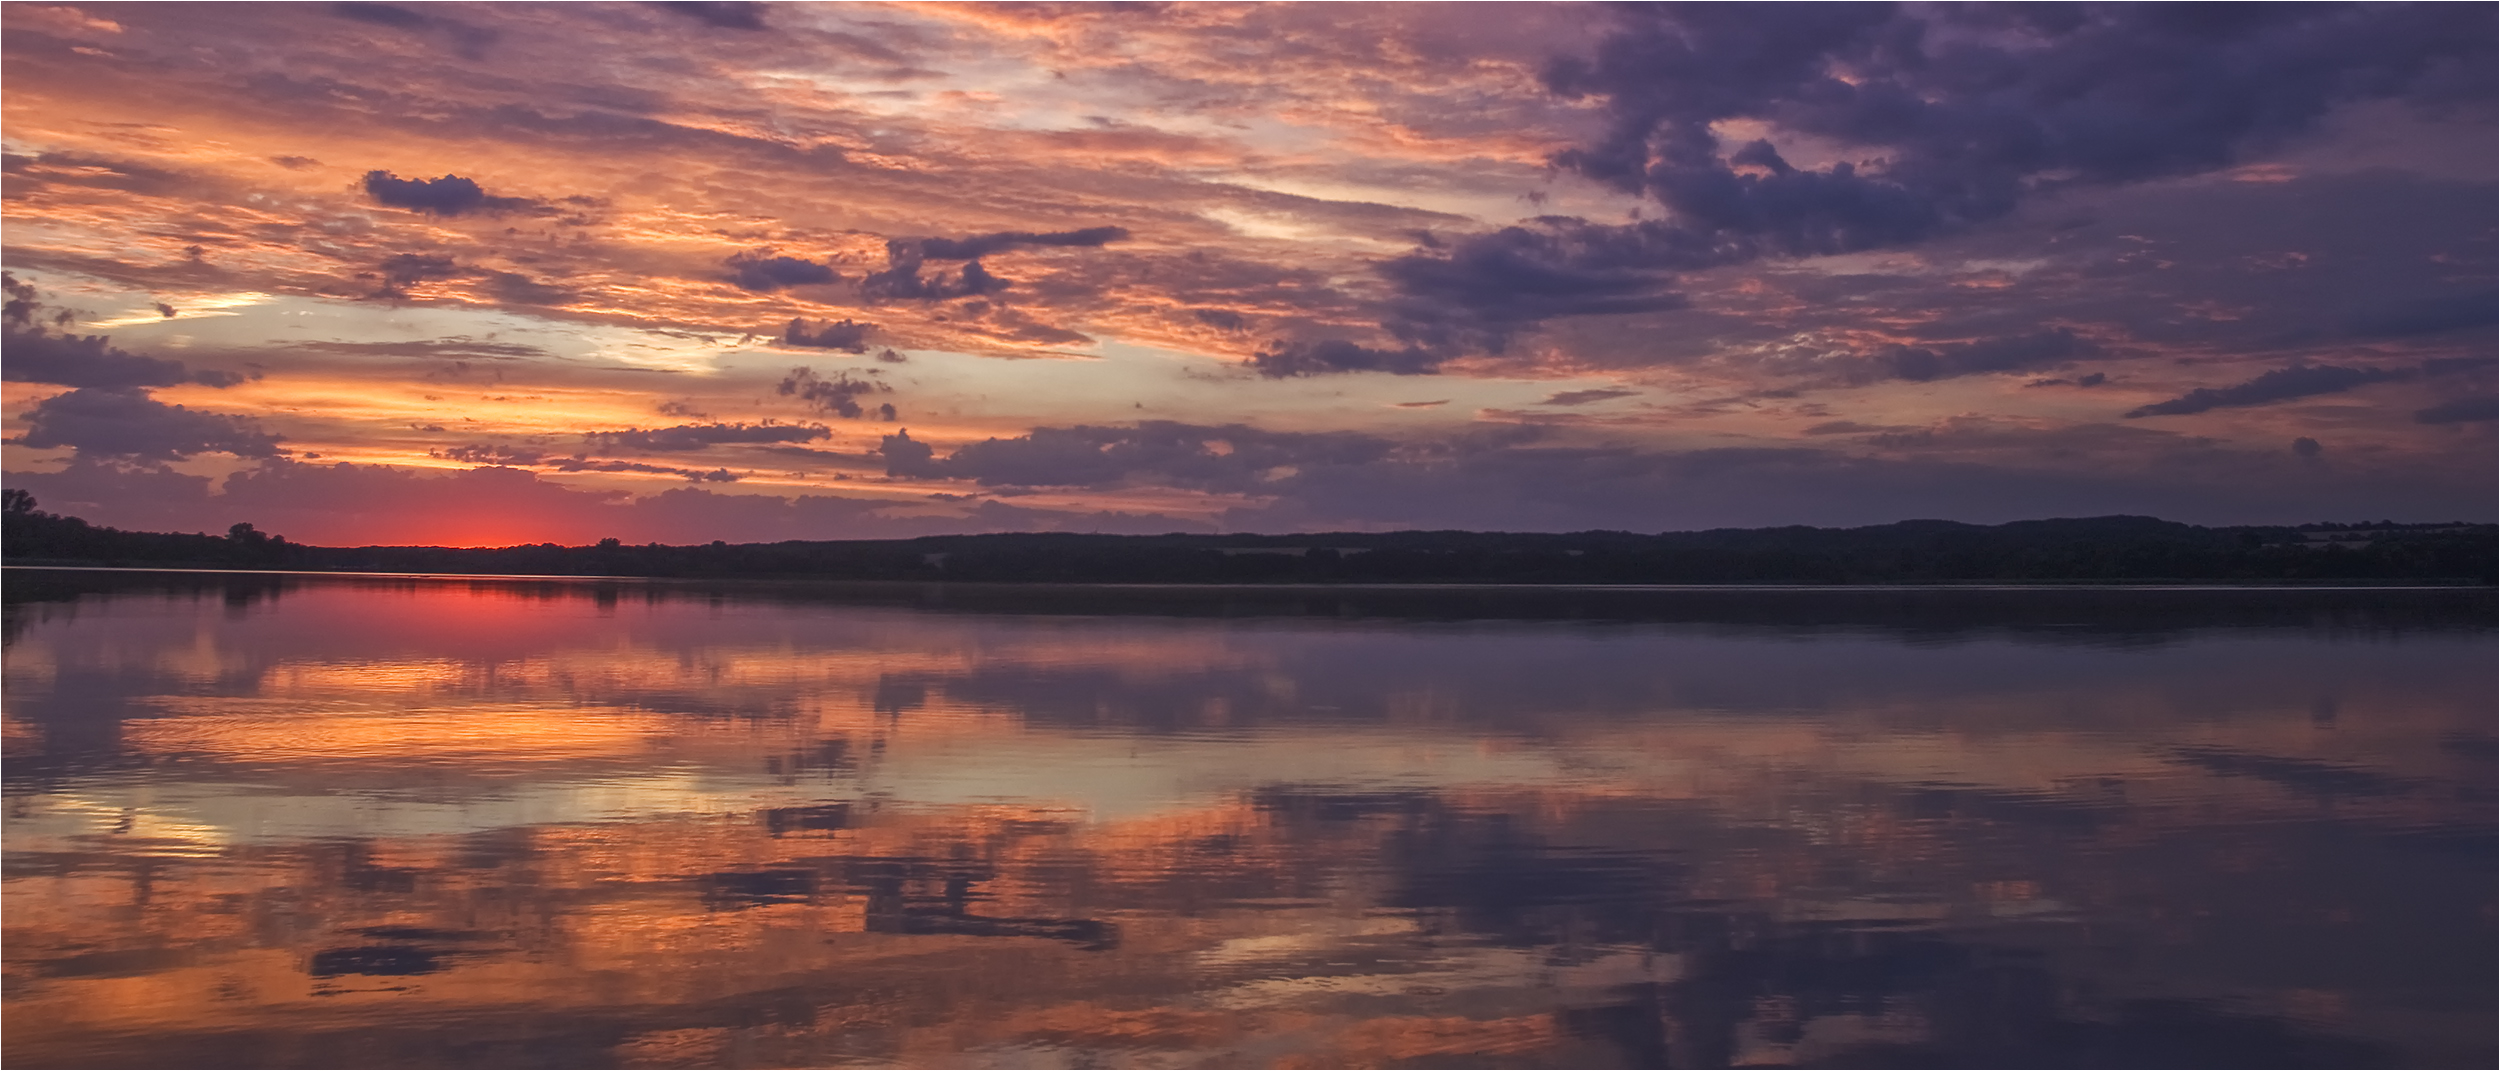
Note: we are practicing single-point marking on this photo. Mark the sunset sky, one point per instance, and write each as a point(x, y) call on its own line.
point(496, 273)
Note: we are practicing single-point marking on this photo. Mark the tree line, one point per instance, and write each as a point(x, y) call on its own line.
point(2097, 549)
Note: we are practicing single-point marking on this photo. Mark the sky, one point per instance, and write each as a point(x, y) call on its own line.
point(486, 274)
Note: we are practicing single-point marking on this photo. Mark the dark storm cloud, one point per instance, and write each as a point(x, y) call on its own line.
point(31, 353)
point(2282, 384)
point(839, 395)
point(1230, 457)
point(721, 14)
point(450, 195)
point(1959, 114)
point(101, 422)
point(1970, 108)
point(1477, 293)
point(2460, 411)
point(685, 438)
point(847, 335)
point(760, 270)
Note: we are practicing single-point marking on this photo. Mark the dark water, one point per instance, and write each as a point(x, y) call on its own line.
point(336, 822)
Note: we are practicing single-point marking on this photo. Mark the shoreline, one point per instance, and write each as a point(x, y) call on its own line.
point(2155, 584)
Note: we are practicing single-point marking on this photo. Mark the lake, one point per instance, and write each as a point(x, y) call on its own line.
point(268, 820)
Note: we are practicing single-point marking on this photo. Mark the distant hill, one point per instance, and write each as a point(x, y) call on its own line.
point(2091, 549)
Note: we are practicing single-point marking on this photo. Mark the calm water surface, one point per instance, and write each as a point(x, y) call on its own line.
point(257, 820)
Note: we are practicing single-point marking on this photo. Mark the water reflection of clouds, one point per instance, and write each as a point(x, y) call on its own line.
point(757, 832)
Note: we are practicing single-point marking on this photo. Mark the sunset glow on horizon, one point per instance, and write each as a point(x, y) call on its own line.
point(488, 274)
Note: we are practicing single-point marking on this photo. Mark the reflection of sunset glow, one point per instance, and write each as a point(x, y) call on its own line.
point(673, 826)
point(274, 733)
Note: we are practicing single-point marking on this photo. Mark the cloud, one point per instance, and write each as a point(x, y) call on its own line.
point(520, 289)
point(1851, 427)
point(355, 505)
point(25, 307)
point(125, 423)
point(691, 437)
point(450, 195)
point(518, 457)
point(2307, 447)
point(35, 355)
point(1950, 117)
point(402, 271)
point(1229, 457)
point(2282, 384)
point(2460, 411)
point(379, 14)
point(1502, 479)
point(2371, 228)
point(456, 347)
point(760, 270)
point(1587, 397)
point(1523, 478)
point(1477, 293)
point(982, 245)
point(901, 280)
point(489, 454)
point(83, 361)
point(839, 395)
point(584, 464)
point(719, 14)
point(1011, 323)
point(1970, 110)
point(470, 41)
point(906, 456)
point(850, 336)
point(2426, 316)
point(1919, 364)
point(1288, 358)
